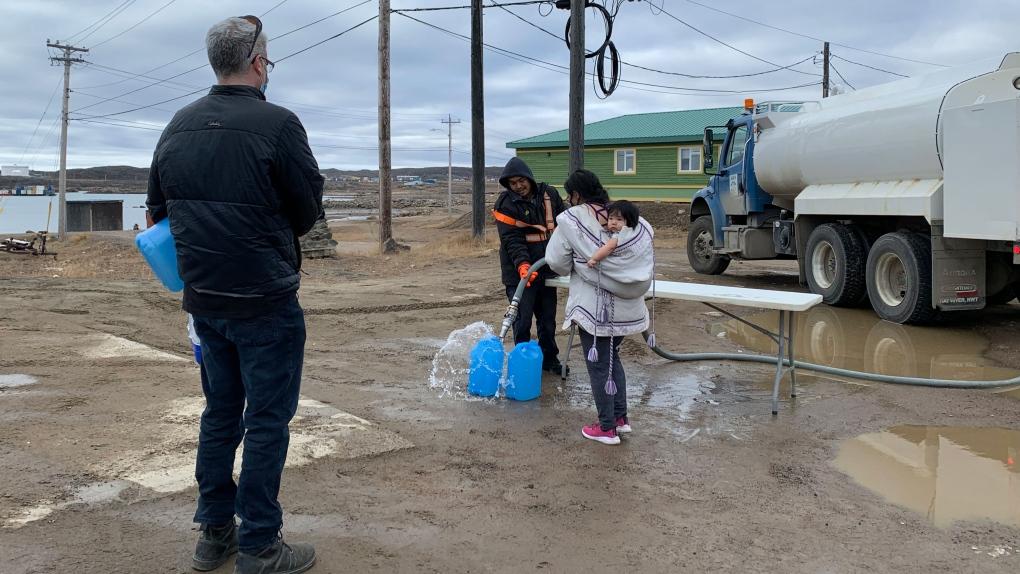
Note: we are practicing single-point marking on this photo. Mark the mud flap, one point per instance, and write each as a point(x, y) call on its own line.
point(958, 272)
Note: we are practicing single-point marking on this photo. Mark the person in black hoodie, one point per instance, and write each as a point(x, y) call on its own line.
point(525, 216)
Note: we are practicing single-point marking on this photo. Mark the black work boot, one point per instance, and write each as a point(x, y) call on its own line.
point(215, 545)
point(278, 558)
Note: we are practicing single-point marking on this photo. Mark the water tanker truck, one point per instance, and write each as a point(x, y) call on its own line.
point(905, 194)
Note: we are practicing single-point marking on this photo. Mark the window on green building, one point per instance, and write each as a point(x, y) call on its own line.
point(626, 161)
point(689, 160)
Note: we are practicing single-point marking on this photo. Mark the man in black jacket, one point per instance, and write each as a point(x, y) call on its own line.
point(238, 181)
point(525, 216)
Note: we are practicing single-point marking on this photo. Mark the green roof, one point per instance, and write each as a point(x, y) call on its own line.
point(657, 127)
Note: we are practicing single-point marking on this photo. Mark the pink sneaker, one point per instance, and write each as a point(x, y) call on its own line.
point(623, 426)
point(595, 432)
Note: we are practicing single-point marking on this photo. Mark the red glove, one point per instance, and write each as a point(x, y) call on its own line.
point(523, 270)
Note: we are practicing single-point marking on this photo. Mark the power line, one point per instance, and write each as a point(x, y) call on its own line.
point(564, 70)
point(493, 5)
point(333, 37)
point(278, 4)
point(871, 67)
point(121, 125)
point(841, 76)
point(324, 18)
point(140, 107)
point(41, 118)
point(730, 46)
point(206, 64)
point(101, 22)
point(746, 19)
point(137, 24)
point(693, 76)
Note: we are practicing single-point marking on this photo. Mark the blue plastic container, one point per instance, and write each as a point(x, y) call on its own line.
point(524, 372)
point(486, 367)
point(157, 246)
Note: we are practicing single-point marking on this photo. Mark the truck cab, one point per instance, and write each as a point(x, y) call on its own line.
point(733, 217)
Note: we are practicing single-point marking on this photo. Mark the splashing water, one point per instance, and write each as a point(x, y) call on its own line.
point(451, 365)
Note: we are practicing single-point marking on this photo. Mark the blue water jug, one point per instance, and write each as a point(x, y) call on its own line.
point(486, 367)
point(157, 246)
point(524, 372)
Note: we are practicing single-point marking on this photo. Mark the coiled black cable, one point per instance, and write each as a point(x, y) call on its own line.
point(607, 48)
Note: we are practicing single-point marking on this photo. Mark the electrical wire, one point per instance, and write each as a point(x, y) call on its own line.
point(664, 72)
point(867, 66)
point(137, 24)
point(41, 118)
point(746, 19)
point(628, 83)
point(841, 76)
point(202, 49)
point(730, 46)
point(204, 88)
point(95, 26)
point(278, 4)
point(442, 8)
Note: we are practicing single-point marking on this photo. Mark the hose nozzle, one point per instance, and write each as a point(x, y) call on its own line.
point(508, 319)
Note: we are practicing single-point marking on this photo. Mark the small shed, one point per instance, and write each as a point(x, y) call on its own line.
point(105, 215)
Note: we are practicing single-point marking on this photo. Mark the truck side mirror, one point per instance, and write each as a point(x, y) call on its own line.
point(708, 145)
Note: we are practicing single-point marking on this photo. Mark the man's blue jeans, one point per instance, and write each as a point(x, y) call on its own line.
point(251, 378)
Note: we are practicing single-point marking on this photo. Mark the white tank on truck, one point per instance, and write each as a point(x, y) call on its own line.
point(906, 193)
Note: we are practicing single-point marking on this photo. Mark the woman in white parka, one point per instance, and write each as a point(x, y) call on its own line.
point(605, 302)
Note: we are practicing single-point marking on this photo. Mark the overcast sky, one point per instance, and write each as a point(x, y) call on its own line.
point(333, 87)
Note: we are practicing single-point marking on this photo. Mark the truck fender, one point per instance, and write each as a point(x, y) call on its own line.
point(707, 202)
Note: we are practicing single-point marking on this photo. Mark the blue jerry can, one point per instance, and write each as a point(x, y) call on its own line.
point(524, 372)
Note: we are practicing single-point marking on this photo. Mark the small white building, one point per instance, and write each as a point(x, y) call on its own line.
point(14, 170)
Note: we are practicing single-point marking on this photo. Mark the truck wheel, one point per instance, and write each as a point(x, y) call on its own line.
point(899, 278)
point(700, 244)
point(835, 265)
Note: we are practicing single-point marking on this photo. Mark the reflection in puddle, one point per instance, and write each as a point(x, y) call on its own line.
point(944, 473)
point(856, 339)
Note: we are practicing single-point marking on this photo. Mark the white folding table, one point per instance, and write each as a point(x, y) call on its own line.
point(785, 302)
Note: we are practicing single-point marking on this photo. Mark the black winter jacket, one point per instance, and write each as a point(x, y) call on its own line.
point(514, 248)
point(239, 182)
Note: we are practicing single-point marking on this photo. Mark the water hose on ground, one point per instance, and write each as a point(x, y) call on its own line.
point(874, 377)
point(511, 314)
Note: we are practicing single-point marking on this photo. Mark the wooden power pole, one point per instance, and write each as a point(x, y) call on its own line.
point(386, 242)
point(449, 121)
point(477, 124)
point(67, 61)
point(825, 70)
point(577, 68)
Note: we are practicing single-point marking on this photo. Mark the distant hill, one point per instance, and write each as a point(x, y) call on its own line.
point(126, 173)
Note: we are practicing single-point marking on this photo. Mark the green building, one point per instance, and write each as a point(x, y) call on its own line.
point(642, 157)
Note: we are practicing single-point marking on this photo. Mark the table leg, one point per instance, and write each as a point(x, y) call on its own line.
point(793, 368)
point(779, 364)
point(566, 357)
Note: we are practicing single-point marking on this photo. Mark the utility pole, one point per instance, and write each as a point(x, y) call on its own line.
point(477, 124)
point(386, 242)
point(449, 121)
point(67, 60)
point(825, 70)
point(577, 68)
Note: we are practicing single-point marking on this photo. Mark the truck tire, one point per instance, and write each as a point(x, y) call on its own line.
point(899, 278)
point(835, 257)
point(700, 243)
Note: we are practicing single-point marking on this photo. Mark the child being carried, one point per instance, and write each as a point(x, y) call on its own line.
point(622, 218)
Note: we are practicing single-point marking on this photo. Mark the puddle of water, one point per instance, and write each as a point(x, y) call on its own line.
point(943, 473)
point(857, 339)
point(11, 381)
point(451, 363)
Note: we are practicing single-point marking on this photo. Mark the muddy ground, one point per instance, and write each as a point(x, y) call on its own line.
point(99, 403)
